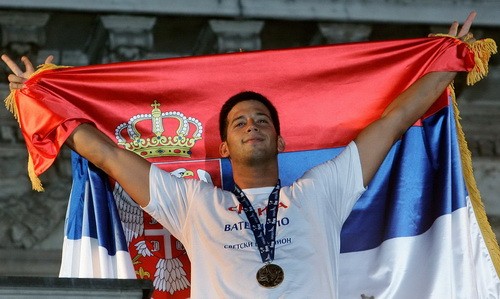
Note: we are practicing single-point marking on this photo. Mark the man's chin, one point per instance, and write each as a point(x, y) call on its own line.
point(260, 156)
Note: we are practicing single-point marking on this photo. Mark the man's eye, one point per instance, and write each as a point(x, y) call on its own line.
point(240, 124)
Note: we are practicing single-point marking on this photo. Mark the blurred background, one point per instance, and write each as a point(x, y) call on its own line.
point(102, 31)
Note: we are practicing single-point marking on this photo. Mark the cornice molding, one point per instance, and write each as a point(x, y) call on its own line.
point(435, 12)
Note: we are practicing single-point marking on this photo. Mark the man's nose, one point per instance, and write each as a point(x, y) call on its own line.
point(252, 126)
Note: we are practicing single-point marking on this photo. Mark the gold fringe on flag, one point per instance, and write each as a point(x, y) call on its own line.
point(474, 194)
point(10, 104)
point(483, 49)
point(36, 183)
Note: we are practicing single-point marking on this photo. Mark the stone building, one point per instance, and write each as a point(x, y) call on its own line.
point(101, 31)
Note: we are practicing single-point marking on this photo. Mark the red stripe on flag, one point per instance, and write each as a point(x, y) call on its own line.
point(325, 95)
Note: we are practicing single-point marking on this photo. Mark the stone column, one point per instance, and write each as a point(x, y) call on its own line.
point(30, 222)
point(333, 33)
point(27, 219)
point(236, 35)
point(129, 37)
point(23, 33)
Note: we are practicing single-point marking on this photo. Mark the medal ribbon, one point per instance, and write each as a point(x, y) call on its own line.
point(265, 235)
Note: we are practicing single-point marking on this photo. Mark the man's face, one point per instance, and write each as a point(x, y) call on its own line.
point(251, 136)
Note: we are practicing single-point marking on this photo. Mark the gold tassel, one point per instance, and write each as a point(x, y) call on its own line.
point(10, 104)
point(482, 49)
point(474, 194)
point(36, 183)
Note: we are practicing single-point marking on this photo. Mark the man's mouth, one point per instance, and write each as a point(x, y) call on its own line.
point(253, 139)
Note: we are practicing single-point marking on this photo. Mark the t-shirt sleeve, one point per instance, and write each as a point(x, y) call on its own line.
point(169, 200)
point(339, 182)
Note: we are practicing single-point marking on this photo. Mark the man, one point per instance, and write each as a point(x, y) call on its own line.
point(286, 243)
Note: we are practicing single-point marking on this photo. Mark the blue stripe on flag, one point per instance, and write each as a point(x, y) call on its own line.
point(292, 165)
point(419, 181)
point(92, 211)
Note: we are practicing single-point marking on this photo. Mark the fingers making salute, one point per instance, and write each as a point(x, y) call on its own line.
point(18, 76)
point(464, 31)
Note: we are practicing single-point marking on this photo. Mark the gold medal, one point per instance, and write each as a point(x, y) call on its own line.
point(270, 275)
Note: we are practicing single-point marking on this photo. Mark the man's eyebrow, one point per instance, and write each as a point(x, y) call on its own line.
point(256, 113)
point(262, 114)
point(237, 118)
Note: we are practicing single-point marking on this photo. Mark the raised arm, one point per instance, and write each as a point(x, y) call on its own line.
point(375, 141)
point(127, 168)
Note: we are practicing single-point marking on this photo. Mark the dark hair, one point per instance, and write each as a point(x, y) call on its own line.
point(241, 97)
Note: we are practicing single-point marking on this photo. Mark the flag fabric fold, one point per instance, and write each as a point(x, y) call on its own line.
point(94, 240)
point(420, 197)
point(418, 232)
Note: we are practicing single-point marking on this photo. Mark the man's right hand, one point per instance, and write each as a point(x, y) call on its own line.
point(18, 77)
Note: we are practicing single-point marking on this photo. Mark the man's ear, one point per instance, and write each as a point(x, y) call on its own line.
point(281, 144)
point(223, 150)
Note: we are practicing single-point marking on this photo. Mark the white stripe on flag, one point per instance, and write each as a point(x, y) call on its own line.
point(84, 258)
point(450, 260)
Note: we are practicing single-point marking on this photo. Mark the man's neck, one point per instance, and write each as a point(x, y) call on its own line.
point(255, 177)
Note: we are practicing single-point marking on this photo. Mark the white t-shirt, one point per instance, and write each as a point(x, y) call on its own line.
point(221, 247)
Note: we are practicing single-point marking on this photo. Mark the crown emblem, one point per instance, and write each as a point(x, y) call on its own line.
point(159, 143)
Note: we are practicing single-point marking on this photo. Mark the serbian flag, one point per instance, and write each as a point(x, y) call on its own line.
point(418, 232)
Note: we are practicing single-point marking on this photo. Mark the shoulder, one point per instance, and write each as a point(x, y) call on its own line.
point(175, 182)
point(344, 170)
point(347, 159)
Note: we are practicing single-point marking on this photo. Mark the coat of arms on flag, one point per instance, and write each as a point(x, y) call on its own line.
point(156, 254)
